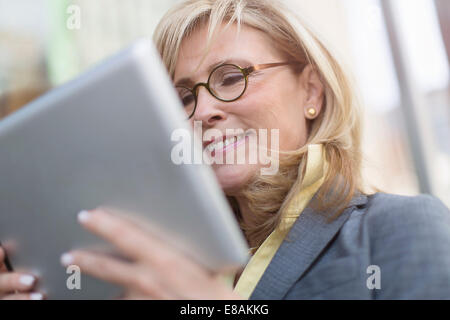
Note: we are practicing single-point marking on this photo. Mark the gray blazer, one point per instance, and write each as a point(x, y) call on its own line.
point(382, 246)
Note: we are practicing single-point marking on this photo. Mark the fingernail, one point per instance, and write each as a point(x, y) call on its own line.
point(36, 296)
point(66, 259)
point(26, 280)
point(83, 216)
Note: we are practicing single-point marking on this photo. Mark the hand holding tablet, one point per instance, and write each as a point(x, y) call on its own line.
point(155, 269)
point(16, 285)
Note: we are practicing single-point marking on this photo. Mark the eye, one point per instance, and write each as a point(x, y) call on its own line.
point(186, 96)
point(226, 76)
point(232, 79)
point(187, 100)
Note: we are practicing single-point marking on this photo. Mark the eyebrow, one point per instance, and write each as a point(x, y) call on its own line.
point(188, 82)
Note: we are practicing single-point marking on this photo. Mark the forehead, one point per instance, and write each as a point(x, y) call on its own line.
point(249, 44)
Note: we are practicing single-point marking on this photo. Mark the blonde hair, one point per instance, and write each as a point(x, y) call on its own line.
point(337, 127)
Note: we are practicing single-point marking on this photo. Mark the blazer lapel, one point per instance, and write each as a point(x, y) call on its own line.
point(305, 241)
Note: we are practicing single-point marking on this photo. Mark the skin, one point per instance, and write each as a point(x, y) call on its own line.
point(276, 98)
point(11, 288)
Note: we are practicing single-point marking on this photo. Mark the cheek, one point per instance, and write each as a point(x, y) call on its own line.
point(260, 107)
point(267, 110)
point(293, 134)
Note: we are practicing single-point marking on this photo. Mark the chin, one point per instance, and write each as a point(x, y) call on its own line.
point(232, 178)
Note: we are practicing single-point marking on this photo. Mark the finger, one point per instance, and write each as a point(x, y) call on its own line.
point(134, 295)
point(124, 235)
point(24, 296)
point(3, 267)
point(127, 275)
point(140, 245)
point(10, 282)
point(139, 297)
point(156, 293)
point(101, 266)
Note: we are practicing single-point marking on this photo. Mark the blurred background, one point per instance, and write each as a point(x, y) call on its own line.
point(398, 51)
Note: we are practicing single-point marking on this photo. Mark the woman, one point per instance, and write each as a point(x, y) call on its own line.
point(313, 231)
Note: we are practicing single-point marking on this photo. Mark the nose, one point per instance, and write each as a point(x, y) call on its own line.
point(209, 109)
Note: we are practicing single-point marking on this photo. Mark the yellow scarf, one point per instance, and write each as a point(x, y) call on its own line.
point(313, 179)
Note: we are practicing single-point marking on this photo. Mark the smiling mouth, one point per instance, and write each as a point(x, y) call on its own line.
point(226, 143)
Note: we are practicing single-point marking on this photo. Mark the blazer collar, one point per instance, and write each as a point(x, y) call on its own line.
point(307, 238)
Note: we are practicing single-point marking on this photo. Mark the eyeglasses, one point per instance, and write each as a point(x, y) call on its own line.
point(226, 82)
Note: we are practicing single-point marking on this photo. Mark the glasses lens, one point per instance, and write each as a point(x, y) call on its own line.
point(187, 99)
point(227, 82)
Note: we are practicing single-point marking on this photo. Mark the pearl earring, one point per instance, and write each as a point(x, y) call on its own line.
point(311, 112)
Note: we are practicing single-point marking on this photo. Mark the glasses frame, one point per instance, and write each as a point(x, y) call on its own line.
point(245, 71)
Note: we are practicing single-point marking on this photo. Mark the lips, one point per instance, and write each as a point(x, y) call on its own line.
point(206, 143)
point(222, 142)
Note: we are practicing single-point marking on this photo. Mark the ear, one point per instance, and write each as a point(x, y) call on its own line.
point(314, 92)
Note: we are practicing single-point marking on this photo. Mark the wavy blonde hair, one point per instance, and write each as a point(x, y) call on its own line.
point(337, 127)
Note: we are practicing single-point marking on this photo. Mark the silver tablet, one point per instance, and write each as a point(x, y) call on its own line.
point(105, 139)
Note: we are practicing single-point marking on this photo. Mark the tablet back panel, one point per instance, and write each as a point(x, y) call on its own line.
point(104, 139)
